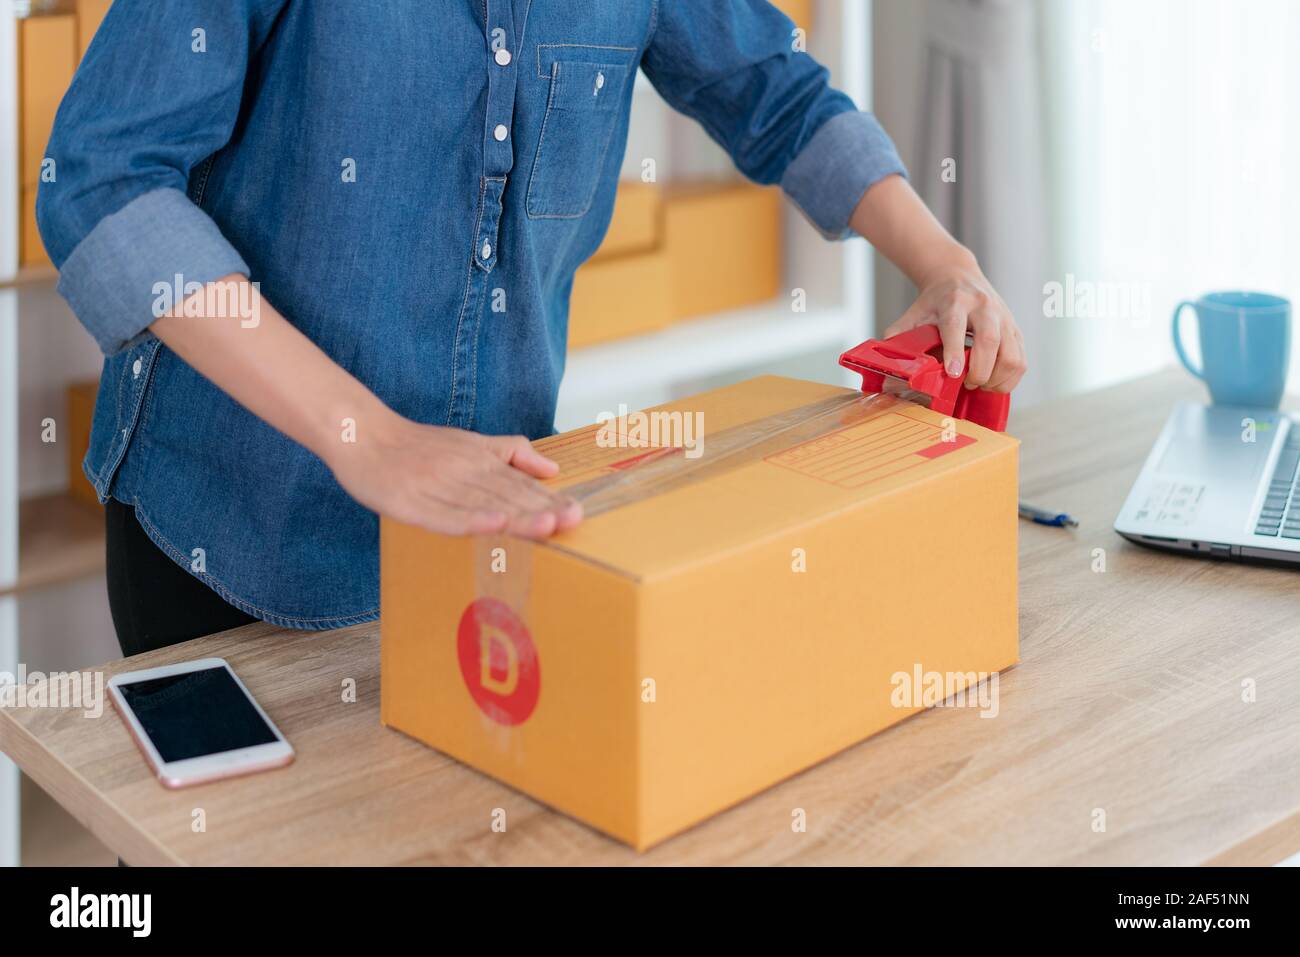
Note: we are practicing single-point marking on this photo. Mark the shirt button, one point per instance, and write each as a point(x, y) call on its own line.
point(486, 251)
point(503, 57)
point(500, 133)
point(136, 367)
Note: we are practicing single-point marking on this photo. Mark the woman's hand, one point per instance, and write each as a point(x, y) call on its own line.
point(958, 298)
point(452, 481)
point(955, 295)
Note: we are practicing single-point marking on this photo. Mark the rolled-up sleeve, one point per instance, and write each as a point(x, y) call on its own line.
point(731, 65)
point(157, 93)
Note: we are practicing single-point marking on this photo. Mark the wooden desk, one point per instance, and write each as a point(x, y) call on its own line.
point(1128, 699)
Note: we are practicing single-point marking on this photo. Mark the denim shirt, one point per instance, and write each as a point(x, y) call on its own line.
point(349, 156)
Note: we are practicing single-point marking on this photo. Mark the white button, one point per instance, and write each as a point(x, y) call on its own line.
point(486, 251)
point(136, 367)
point(503, 57)
point(500, 133)
point(600, 82)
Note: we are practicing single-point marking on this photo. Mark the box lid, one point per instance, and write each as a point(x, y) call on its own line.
point(776, 453)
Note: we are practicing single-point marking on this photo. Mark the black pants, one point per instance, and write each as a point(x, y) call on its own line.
point(154, 601)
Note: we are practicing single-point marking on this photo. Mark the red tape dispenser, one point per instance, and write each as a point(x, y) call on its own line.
point(915, 358)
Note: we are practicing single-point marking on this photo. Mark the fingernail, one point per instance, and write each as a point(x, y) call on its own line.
point(955, 367)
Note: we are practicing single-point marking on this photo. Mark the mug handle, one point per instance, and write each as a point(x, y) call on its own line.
point(1178, 341)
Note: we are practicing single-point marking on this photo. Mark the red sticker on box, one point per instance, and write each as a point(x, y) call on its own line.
point(498, 661)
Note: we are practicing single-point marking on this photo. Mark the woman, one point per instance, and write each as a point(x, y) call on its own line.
point(327, 249)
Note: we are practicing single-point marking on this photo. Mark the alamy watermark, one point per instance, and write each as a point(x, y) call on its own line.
point(1087, 299)
point(133, 912)
point(212, 300)
point(651, 430)
point(57, 689)
point(919, 688)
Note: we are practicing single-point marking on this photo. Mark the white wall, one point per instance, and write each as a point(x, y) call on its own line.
point(897, 71)
point(54, 350)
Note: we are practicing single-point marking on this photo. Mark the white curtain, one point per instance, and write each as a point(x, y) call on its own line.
point(979, 161)
point(1123, 154)
point(1173, 134)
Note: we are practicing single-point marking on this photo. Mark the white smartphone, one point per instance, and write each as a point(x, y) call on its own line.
point(196, 722)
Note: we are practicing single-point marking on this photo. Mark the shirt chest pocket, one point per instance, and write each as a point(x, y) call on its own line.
point(583, 109)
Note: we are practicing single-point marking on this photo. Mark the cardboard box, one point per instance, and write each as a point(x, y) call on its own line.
point(90, 14)
point(76, 432)
point(800, 11)
point(634, 227)
point(620, 296)
point(670, 657)
point(725, 244)
point(47, 57)
point(31, 250)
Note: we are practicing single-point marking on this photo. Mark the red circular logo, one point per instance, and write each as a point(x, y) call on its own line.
point(498, 661)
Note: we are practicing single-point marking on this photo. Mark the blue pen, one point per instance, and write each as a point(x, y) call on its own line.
point(1043, 517)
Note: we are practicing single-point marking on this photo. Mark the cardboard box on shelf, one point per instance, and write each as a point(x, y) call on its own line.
point(634, 226)
point(800, 11)
point(31, 251)
point(620, 296)
point(828, 565)
point(724, 240)
point(81, 412)
point(90, 13)
point(47, 58)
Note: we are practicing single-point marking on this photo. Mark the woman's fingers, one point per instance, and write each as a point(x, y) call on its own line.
point(952, 331)
point(1012, 363)
point(443, 517)
point(533, 508)
point(529, 494)
point(517, 451)
point(520, 461)
point(986, 340)
point(465, 510)
point(949, 314)
point(457, 482)
point(965, 306)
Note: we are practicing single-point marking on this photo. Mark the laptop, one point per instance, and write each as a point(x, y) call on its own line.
point(1221, 482)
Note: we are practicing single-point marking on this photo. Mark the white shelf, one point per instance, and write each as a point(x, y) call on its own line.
point(697, 348)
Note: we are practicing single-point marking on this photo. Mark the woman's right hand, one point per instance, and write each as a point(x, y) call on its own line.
point(452, 481)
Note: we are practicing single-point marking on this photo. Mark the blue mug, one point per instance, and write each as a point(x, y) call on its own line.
point(1245, 346)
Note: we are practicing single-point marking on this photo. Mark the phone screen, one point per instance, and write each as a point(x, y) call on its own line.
point(195, 714)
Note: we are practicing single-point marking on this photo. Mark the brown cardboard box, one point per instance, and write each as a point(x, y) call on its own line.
point(31, 251)
point(800, 11)
point(47, 57)
point(81, 411)
point(620, 296)
point(90, 14)
point(674, 655)
point(635, 224)
point(724, 241)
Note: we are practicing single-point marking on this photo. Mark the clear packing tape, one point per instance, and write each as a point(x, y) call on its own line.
point(664, 469)
point(503, 565)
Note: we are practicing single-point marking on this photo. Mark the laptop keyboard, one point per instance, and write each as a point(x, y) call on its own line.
point(1280, 516)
